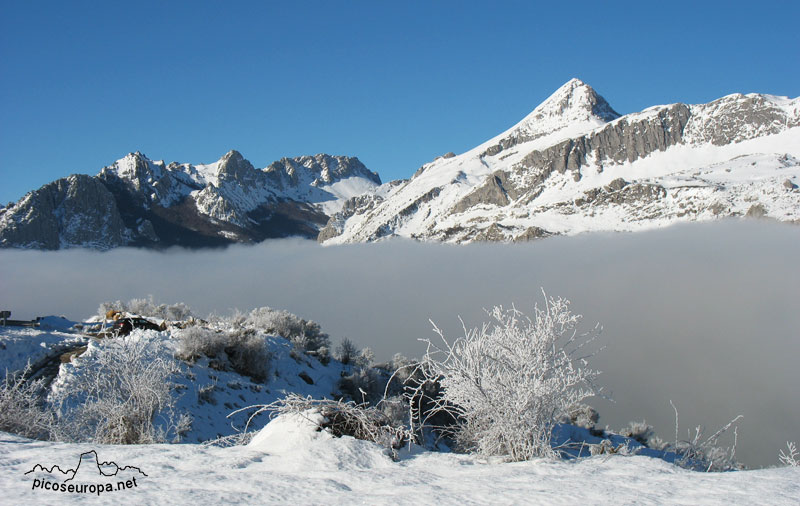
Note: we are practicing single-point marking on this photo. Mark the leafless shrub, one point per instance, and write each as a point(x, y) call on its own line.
point(305, 333)
point(195, 342)
point(639, 431)
point(148, 307)
point(240, 349)
point(346, 352)
point(22, 411)
point(580, 415)
point(791, 457)
point(248, 355)
point(706, 454)
point(123, 395)
point(507, 384)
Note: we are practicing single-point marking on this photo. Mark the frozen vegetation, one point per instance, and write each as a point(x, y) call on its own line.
point(267, 410)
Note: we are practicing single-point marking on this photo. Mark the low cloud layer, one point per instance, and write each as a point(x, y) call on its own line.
point(705, 315)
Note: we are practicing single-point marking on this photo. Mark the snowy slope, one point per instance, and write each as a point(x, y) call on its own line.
point(291, 460)
point(292, 463)
point(573, 165)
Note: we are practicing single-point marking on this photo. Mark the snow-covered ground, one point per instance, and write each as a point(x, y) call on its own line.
point(289, 462)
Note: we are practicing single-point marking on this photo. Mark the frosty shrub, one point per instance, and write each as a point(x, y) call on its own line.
point(639, 431)
point(196, 342)
point(365, 358)
point(346, 352)
point(307, 334)
point(702, 453)
point(580, 415)
point(341, 419)
point(248, 355)
point(21, 409)
point(241, 350)
point(123, 395)
point(148, 307)
point(790, 457)
point(508, 382)
point(361, 385)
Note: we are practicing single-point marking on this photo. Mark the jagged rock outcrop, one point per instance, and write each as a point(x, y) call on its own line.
point(74, 211)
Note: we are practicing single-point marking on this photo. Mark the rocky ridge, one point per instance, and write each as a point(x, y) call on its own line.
point(575, 165)
point(141, 202)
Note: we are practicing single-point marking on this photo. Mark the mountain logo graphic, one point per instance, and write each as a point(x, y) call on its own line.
point(89, 468)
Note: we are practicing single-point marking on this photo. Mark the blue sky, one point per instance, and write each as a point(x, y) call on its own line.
point(394, 83)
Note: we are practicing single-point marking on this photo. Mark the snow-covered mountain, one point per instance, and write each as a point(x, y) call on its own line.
point(140, 202)
point(575, 165)
point(572, 165)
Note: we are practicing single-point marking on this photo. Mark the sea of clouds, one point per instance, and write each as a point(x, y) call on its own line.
point(707, 316)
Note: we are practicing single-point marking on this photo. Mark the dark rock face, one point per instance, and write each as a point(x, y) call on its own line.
point(73, 211)
point(495, 191)
point(621, 141)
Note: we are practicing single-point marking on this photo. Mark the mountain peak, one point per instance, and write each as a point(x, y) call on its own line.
point(232, 154)
point(571, 110)
point(235, 166)
point(575, 100)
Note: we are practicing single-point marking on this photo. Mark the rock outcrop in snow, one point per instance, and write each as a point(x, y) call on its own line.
point(575, 165)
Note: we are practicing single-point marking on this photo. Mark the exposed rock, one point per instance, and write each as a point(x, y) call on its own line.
point(140, 202)
point(616, 185)
point(532, 233)
point(492, 192)
point(757, 211)
point(618, 142)
point(789, 185)
point(73, 211)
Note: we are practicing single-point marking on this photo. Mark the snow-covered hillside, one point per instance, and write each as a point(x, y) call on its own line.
point(573, 165)
point(296, 457)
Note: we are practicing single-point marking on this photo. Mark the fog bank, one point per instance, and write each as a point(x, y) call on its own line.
point(705, 315)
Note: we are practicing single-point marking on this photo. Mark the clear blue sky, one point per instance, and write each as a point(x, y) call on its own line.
point(394, 83)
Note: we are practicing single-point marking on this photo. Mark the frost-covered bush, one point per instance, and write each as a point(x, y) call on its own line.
point(790, 457)
point(706, 454)
point(248, 355)
point(365, 358)
point(361, 385)
point(507, 383)
point(148, 307)
point(346, 352)
point(306, 335)
point(21, 409)
point(242, 350)
point(196, 342)
point(639, 431)
point(121, 394)
point(580, 415)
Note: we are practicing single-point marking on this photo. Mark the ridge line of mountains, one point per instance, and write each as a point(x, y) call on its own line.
point(572, 165)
